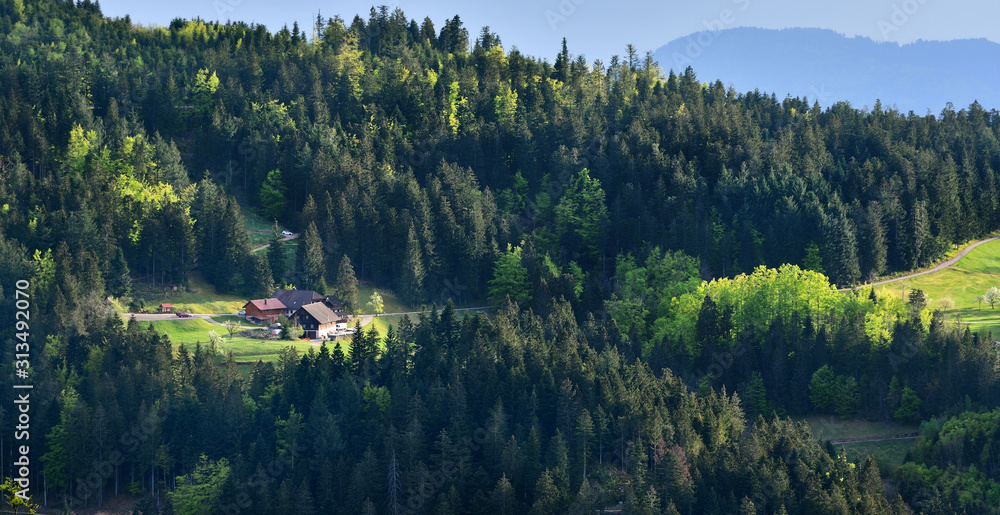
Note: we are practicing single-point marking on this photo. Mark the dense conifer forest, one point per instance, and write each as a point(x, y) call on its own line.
point(662, 255)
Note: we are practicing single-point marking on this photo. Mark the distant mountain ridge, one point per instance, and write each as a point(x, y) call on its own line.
point(828, 67)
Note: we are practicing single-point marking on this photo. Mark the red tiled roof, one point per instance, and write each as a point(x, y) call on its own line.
point(166, 305)
point(267, 304)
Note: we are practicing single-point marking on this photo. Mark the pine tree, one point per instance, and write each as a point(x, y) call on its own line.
point(755, 397)
point(841, 250)
point(503, 499)
point(276, 255)
point(312, 268)
point(585, 433)
point(393, 478)
point(260, 279)
point(413, 275)
point(233, 248)
point(304, 503)
point(346, 286)
point(119, 275)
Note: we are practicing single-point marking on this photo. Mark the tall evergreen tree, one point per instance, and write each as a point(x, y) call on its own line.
point(276, 258)
point(311, 265)
point(346, 286)
point(413, 274)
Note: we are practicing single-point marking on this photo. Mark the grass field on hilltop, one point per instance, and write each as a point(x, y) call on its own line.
point(961, 284)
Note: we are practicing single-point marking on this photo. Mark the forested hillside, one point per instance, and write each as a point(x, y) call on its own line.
point(660, 253)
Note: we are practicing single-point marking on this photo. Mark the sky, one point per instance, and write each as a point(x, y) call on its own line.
point(599, 29)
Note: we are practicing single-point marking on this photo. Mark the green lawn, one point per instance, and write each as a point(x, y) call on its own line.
point(201, 298)
point(955, 289)
point(242, 321)
point(390, 302)
point(381, 324)
point(188, 332)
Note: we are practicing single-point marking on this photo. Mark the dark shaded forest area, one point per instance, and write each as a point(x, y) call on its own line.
point(659, 250)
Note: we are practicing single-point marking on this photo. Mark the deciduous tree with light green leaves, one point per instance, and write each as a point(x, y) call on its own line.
point(375, 303)
point(510, 278)
point(197, 492)
point(581, 217)
point(14, 502)
point(909, 407)
point(203, 90)
point(272, 194)
point(822, 388)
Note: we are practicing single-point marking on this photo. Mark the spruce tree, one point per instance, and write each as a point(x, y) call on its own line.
point(346, 285)
point(119, 277)
point(276, 255)
point(311, 265)
point(413, 273)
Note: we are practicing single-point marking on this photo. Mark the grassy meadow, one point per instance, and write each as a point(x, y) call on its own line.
point(260, 228)
point(188, 332)
point(889, 453)
point(198, 297)
point(955, 290)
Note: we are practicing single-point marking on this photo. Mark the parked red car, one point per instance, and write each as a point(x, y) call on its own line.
point(183, 314)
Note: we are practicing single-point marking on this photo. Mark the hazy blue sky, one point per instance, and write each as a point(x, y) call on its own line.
point(600, 28)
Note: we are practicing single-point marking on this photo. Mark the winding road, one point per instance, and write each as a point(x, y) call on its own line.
point(937, 268)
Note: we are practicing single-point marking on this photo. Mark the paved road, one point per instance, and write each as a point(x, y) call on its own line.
point(938, 268)
point(286, 238)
